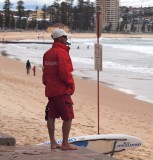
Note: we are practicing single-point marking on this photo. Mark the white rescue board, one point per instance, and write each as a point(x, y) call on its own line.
point(104, 143)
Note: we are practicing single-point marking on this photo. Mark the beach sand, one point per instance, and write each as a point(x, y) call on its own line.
point(45, 35)
point(23, 103)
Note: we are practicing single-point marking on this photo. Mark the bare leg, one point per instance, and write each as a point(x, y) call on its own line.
point(66, 129)
point(51, 131)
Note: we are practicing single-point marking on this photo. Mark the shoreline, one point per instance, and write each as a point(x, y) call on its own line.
point(135, 96)
point(77, 35)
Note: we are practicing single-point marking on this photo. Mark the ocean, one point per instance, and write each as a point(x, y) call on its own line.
point(127, 62)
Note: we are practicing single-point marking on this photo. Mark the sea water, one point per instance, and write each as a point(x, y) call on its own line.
point(127, 62)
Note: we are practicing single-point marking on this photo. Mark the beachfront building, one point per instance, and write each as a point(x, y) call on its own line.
point(38, 15)
point(110, 14)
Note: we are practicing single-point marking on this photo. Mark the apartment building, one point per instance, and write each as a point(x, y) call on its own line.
point(38, 15)
point(110, 13)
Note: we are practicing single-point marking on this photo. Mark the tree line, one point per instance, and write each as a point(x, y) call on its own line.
point(79, 17)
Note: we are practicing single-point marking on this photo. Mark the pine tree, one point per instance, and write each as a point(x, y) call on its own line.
point(7, 13)
point(20, 14)
point(20, 8)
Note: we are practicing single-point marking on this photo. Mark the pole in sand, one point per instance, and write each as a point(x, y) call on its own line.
point(98, 49)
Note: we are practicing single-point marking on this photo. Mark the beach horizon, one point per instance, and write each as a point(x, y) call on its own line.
point(7, 36)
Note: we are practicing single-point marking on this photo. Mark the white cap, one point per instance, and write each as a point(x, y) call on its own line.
point(58, 33)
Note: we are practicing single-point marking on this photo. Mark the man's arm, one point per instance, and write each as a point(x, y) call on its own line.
point(65, 69)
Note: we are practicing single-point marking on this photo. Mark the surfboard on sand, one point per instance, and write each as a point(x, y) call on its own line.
point(104, 143)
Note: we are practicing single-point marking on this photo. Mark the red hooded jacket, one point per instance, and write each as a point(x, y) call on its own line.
point(57, 73)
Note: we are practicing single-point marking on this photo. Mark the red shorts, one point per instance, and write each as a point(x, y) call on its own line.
point(61, 106)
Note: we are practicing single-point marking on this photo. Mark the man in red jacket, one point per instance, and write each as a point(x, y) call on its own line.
point(59, 86)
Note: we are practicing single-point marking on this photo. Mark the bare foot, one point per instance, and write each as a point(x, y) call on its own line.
point(68, 147)
point(55, 146)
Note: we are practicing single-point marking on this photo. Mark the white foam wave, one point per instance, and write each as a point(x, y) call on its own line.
point(127, 91)
point(143, 98)
point(83, 60)
point(131, 68)
point(141, 49)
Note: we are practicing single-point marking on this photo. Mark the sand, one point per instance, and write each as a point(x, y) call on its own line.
point(22, 105)
point(44, 35)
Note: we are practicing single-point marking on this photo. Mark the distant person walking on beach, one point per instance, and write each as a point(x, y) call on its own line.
point(34, 70)
point(28, 66)
point(59, 86)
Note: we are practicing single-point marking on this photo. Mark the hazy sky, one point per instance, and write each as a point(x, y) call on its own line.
point(28, 3)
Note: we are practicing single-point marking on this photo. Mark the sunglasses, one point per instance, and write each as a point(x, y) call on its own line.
point(64, 36)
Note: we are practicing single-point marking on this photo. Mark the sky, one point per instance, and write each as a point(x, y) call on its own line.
point(31, 4)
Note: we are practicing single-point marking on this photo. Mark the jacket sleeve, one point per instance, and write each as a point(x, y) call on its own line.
point(65, 68)
point(65, 72)
point(43, 76)
point(43, 79)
